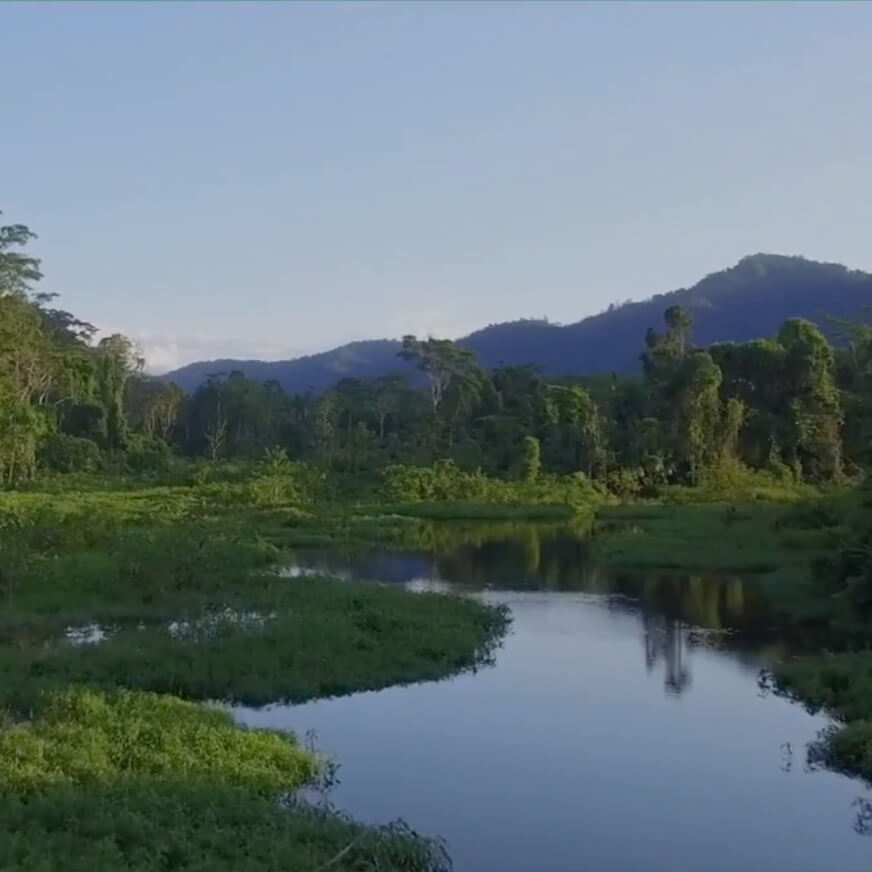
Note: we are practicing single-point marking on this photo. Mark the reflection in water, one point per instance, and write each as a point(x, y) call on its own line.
point(863, 821)
point(664, 640)
point(540, 761)
point(678, 612)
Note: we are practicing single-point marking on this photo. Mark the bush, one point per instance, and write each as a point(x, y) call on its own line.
point(625, 483)
point(445, 481)
point(280, 481)
point(145, 454)
point(730, 480)
point(63, 453)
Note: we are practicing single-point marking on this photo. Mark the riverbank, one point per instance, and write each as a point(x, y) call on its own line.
point(124, 780)
point(812, 562)
point(121, 603)
point(176, 589)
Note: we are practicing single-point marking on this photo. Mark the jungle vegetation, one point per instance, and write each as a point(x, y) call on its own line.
point(159, 515)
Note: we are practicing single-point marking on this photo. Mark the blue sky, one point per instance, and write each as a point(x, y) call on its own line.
point(271, 179)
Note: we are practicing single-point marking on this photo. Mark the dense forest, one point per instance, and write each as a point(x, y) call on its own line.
point(189, 500)
point(751, 299)
point(791, 406)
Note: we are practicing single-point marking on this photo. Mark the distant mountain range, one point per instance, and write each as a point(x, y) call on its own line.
point(748, 300)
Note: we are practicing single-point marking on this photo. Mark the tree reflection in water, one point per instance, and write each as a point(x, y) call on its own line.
point(863, 820)
point(664, 640)
point(677, 611)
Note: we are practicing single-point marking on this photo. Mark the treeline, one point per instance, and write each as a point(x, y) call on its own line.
point(793, 406)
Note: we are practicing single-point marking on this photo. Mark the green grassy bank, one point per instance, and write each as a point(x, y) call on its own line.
point(104, 763)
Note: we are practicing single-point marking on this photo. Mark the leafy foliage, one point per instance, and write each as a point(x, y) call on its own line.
point(696, 415)
point(137, 781)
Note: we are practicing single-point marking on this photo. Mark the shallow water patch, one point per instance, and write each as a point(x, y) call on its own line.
point(87, 634)
point(215, 623)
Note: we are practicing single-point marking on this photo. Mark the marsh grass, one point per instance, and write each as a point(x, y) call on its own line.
point(745, 538)
point(104, 766)
point(125, 780)
point(101, 777)
point(326, 638)
point(840, 684)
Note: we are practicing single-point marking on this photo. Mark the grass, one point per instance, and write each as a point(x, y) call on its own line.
point(715, 537)
point(97, 777)
point(108, 763)
point(775, 543)
point(322, 637)
point(144, 823)
point(137, 781)
point(840, 684)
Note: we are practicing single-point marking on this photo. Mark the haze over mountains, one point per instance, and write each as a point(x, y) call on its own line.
point(748, 300)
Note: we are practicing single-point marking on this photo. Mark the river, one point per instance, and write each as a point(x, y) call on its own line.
point(621, 726)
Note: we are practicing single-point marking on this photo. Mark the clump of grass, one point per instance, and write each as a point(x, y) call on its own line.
point(78, 736)
point(846, 749)
point(841, 685)
point(327, 637)
point(146, 823)
point(102, 778)
point(717, 537)
point(136, 781)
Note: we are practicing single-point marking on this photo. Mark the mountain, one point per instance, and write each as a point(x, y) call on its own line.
point(748, 300)
point(364, 359)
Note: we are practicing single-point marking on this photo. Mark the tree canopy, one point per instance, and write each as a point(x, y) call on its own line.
point(791, 403)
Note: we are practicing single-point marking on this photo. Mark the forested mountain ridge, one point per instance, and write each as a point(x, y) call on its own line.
point(749, 300)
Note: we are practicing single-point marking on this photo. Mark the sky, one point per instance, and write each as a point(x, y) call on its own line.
point(272, 179)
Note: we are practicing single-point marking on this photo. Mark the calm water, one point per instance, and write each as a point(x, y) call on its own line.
point(621, 726)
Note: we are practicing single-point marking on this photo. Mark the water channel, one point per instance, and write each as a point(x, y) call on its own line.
point(621, 726)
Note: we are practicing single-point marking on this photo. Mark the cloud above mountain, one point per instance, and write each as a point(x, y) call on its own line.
point(165, 351)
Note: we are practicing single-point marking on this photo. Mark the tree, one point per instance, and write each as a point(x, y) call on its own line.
point(696, 398)
point(441, 360)
point(732, 421)
point(386, 397)
point(117, 361)
point(574, 432)
point(679, 320)
point(815, 413)
point(666, 351)
point(18, 271)
point(163, 411)
point(531, 461)
point(324, 425)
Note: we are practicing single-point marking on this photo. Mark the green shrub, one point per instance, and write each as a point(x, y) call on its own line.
point(279, 481)
point(63, 453)
point(625, 483)
point(145, 454)
point(80, 735)
point(445, 481)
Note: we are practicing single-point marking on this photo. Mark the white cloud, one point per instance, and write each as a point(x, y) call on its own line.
point(167, 351)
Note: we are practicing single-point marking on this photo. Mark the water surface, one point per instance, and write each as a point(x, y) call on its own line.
point(621, 726)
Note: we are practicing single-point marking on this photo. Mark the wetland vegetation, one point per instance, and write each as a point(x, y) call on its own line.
point(142, 533)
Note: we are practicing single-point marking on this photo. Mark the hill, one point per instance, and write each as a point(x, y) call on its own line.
point(748, 300)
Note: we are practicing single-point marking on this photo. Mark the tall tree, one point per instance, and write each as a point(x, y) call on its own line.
point(815, 413)
point(18, 271)
point(441, 360)
point(117, 361)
